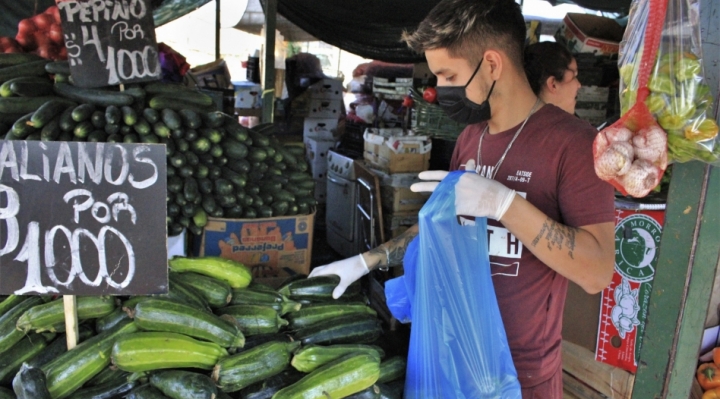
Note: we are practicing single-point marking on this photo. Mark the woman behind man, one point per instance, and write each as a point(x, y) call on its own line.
point(552, 73)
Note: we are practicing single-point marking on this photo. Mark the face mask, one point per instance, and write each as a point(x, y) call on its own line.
point(454, 101)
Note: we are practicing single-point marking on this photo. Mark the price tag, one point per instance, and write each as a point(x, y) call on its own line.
point(109, 41)
point(82, 218)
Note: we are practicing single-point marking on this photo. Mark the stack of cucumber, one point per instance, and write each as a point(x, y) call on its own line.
point(216, 334)
point(215, 166)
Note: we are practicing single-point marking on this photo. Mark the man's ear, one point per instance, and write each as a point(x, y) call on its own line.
point(551, 84)
point(495, 61)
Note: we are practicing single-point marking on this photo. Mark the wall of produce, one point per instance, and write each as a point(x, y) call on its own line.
point(216, 334)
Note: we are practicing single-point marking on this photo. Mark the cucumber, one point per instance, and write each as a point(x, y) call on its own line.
point(234, 273)
point(129, 116)
point(31, 68)
point(353, 329)
point(201, 145)
point(51, 130)
point(113, 130)
point(236, 130)
point(392, 369)
point(266, 388)
point(31, 383)
point(142, 127)
point(250, 296)
point(238, 371)
point(98, 119)
point(164, 315)
point(43, 317)
point(144, 351)
point(179, 384)
point(6, 91)
point(160, 102)
point(310, 315)
point(146, 392)
point(109, 390)
point(310, 357)
point(93, 96)
point(316, 288)
point(238, 180)
point(160, 129)
point(213, 119)
point(23, 105)
point(55, 67)
point(22, 351)
point(82, 112)
point(10, 59)
point(255, 319)
point(214, 135)
point(9, 334)
point(234, 149)
point(340, 378)
point(151, 115)
point(170, 118)
point(113, 115)
point(216, 292)
point(66, 122)
point(97, 136)
point(190, 118)
point(110, 320)
point(69, 371)
point(32, 89)
point(257, 154)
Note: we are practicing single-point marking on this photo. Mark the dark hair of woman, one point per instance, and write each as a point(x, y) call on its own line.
point(543, 60)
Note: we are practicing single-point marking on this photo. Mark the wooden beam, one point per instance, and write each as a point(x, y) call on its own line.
point(574, 388)
point(268, 95)
point(610, 381)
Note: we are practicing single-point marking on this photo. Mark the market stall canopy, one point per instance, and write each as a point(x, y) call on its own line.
point(253, 21)
point(368, 28)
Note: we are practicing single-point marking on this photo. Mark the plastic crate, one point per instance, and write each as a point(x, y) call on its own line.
point(430, 120)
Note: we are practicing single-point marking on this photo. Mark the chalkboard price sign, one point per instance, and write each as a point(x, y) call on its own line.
point(109, 41)
point(82, 218)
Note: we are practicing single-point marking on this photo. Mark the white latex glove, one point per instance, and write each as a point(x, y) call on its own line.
point(349, 270)
point(474, 195)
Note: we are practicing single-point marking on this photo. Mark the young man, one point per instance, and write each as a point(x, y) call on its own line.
point(550, 218)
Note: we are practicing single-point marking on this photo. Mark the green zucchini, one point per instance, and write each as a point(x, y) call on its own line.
point(31, 383)
point(10, 302)
point(392, 369)
point(13, 358)
point(250, 296)
point(146, 392)
point(108, 390)
point(255, 319)
point(257, 340)
point(338, 379)
point(110, 320)
point(310, 357)
point(71, 370)
point(266, 388)
point(144, 351)
point(353, 329)
point(164, 315)
point(179, 384)
point(42, 317)
point(107, 375)
point(316, 288)
point(180, 291)
point(238, 371)
point(216, 292)
point(234, 273)
point(372, 392)
point(310, 315)
point(93, 96)
point(9, 334)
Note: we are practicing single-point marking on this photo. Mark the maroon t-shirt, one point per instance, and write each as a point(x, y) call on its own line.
point(551, 165)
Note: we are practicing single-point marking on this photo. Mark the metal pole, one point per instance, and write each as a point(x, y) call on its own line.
point(268, 96)
point(217, 29)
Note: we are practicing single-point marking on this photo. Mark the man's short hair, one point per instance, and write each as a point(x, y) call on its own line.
point(468, 28)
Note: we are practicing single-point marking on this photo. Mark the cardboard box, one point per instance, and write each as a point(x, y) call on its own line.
point(624, 304)
point(398, 222)
point(402, 199)
point(321, 108)
point(328, 89)
point(585, 33)
point(267, 246)
point(321, 191)
point(214, 74)
point(248, 95)
point(316, 155)
point(177, 245)
point(396, 154)
point(320, 129)
point(392, 89)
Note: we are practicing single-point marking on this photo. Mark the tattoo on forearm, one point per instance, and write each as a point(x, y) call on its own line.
point(394, 250)
point(557, 235)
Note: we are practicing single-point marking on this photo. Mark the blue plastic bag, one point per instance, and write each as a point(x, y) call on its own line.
point(458, 346)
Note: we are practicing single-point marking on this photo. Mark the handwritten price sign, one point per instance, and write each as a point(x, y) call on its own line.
point(109, 41)
point(82, 218)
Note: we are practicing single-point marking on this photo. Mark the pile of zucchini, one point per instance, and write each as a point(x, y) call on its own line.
point(216, 334)
point(215, 166)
